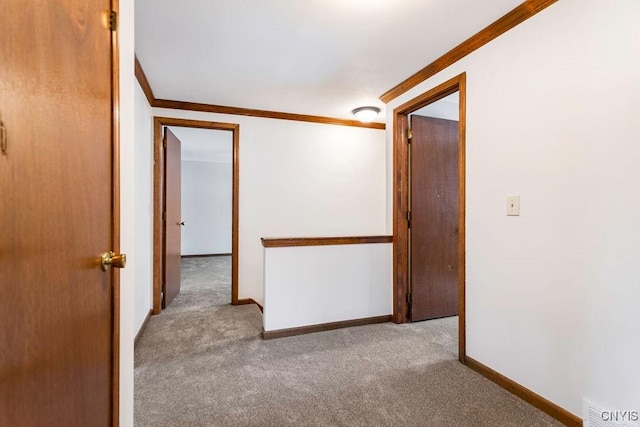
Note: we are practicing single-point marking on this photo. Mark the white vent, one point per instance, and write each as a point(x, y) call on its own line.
point(593, 416)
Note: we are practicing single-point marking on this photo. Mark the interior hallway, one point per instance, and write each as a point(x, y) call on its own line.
point(202, 363)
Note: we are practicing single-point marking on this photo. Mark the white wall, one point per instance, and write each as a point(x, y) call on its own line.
point(127, 209)
point(552, 115)
point(142, 257)
point(207, 196)
point(446, 108)
point(301, 179)
point(322, 284)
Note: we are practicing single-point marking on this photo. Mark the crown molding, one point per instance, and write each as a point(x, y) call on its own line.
point(518, 15)
point(144, 82)
point(221, 109)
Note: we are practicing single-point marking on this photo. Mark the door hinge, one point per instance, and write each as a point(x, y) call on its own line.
point(409, 298)
point(409, 219)
point(162, 298)
point(409, 135)
point(113, 20)
point(164, 216)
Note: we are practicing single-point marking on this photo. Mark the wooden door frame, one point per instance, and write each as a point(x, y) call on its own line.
point(401, 201)
point(115, 206)
point(159, 177)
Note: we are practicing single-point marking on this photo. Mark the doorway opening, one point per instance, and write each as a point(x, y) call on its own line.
point(429, 207)
point(203, 239)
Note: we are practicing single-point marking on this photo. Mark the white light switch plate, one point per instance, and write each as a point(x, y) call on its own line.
point(513, 205)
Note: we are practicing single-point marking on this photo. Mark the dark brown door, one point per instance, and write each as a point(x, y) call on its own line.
point(173, 215)
point(56, 190)
point(434, 218)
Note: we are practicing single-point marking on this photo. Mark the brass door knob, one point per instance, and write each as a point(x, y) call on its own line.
point(111, 259)
point(180, 223)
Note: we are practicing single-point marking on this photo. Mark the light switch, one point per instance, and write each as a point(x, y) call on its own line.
point(513, 205)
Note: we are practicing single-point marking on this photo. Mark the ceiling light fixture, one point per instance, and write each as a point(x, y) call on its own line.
point(366, 114)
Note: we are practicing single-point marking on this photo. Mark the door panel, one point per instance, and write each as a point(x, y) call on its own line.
point(434, 218)
point(56, 189)
point(173, 232)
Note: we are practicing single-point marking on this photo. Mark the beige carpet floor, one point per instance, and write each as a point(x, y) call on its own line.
point(202, 363)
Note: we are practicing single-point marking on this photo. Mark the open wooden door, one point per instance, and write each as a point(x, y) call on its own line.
point(434, 218)
point(58, 341)
point(173, 217)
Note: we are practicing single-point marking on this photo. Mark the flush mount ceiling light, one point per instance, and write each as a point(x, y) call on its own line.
point(366, 114)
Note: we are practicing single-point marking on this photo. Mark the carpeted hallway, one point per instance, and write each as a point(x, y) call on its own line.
point(202, 363)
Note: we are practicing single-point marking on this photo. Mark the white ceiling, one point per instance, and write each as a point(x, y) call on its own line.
point(205, 145)
point(321, 57)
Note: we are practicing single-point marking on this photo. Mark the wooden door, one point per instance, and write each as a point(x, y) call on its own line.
point(434, 218)
point(173, 217)
point(57, 335)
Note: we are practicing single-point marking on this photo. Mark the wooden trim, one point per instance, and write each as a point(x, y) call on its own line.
point(246, 301)
point(220, 109)
point(284, 242)
point(281, 333)
point(518, 15)
point(401, 202)
point(158, 226)
point(433, 95)
point(555, 411)
point(400, 222)
point(462, 215)
point(203, 255)
point(238, 111)
point(115, 136)
point(144, 83)
point(158, 181)
point(143, 327)
point(235, 209)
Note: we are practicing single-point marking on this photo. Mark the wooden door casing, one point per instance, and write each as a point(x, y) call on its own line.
point(434, 218)
point(57, 315)
point(159, 178)
point(173, 217)
point(401, 285)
